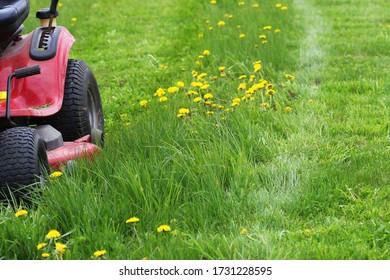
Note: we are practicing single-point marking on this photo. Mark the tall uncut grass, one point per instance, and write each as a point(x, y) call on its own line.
point(240, 125)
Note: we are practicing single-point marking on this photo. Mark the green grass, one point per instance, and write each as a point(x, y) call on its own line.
point(312, 183)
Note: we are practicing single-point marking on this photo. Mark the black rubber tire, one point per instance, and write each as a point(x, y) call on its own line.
point(81, 112)
point(23, 159)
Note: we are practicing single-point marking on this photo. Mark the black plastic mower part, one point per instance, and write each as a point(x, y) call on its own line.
point(14, 37)
point(53, 6)
point(18, 74)
point(51, 136)
point(12, 15)
point(27, 71)
point(45, 13)
point(44, 44)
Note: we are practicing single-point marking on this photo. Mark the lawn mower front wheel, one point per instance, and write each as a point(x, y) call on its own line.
point(23, 160)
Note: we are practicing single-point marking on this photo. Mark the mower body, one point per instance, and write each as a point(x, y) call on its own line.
point(38, 95)
point(50, 107)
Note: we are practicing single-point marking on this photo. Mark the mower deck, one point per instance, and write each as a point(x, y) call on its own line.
point(81, 148)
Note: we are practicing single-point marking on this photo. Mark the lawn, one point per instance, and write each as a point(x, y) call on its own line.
point(234, 130)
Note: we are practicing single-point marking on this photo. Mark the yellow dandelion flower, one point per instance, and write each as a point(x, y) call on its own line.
point(242, 35)
point(277, 30)
point(201, 56)
point(21, 213)
point(206, 52)
point(284, 8)
point(201, 76)
point(267, 27)
point(173, 89)
point(249, 96)
point(236, 100)
point(60, 5)
point(256, 67)
point(163, 67)
point(228, 16)
point(45, 255)
point(163, 228)
point(270, 92)
point(197, 99)
point(205, 86)
point(200, 35)
point(287, 109)
point(255, 5)
point(278, 5)
point(196, 84)
point(132, 220)
point(60, 248)
point(163, 99)
point(208, 96)
point(242, 86)
point(241, 3)
point(192, 92)
point(220, 23)
point(160, 92)
point(242, 77)
point(262, 36)
point(74, 19)
point(221, 68)
point(56, 174)
point(99, 253)
point(184, 111)
point(213, 2)
point(143, 103)
point(244, 231)
point(53, 234)
point(210, 113)
point(41, 245)
point(258, 86)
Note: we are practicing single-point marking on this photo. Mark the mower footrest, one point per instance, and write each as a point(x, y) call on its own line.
point(71, 151)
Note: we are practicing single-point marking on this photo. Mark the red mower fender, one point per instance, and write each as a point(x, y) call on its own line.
point(39, 95)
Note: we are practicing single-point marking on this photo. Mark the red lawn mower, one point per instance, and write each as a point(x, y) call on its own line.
point(50, 106)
